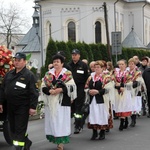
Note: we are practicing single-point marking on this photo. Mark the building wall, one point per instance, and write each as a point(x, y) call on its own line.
point(83, 13)
point(86, 12)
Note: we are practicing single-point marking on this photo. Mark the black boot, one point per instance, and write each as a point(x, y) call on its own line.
point(28, 144)
point(102, 135)
point(126, 123)
point(78, 125)
point(76, 130)
point(133, 121)
point(18, 148)
point(107, 130)
point(95, 134)
point(121, 124)
point(115, 117)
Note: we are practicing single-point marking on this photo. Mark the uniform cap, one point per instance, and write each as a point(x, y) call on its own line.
point(75, 51)
point(20, 55)
point(62, 53)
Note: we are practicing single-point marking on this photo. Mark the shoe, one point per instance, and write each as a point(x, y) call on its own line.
point(107, 130)
point(28, 144)
point(115, 117)
point(76, 131)
point(121, 124)
point(95, 134)
point(133, 121)
point(148, 116)
point(18, 147)
point(80, 130)
point(60, 147)
point(144, 113)
point(132, 124)
point(102, 135)
point(125, 126)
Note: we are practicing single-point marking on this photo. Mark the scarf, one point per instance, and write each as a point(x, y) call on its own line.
point(65, 78)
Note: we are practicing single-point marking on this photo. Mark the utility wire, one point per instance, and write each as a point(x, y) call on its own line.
point(75, 22)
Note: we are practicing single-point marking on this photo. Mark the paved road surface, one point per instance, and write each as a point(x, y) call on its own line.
point(137, 138)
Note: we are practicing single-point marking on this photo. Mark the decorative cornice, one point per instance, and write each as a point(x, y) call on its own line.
point(74, 9)
point(98, 9)
point(47, 12)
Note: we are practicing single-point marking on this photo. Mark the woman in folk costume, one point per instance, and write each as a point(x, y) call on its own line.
point(99, 106)
point(137, 86)
point(59, 89)
point(123, 102)
point(110, 68)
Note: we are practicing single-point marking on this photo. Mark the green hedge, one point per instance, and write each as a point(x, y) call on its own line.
point(88, 51)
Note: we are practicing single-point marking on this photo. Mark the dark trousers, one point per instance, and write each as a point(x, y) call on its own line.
point(148, 102)
point(77, 106)
point(18, 116)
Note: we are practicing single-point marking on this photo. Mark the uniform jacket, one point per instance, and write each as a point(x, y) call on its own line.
point(146, 77)
point(79, 72)
point(20, 88)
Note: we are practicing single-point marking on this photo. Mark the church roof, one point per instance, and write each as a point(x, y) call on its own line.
point(133, 41)
point(30, 41)
point(148, 45)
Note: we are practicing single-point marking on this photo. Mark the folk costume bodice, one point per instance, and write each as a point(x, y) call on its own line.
point(121, 76)
point(98, 83)
point(52, 81)
point(135, 73)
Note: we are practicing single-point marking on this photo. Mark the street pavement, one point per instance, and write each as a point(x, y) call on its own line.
point(137, 138)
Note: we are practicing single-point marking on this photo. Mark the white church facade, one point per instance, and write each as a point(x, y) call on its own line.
point(84, 21)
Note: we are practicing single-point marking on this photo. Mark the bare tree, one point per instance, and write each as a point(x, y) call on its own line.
point(12, 21)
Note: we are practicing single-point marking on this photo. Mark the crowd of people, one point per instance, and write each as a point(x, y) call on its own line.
point(112, 92)
point(119, 91)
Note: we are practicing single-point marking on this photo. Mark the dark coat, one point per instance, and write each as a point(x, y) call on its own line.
point(20, 88)
point(146, 77)
point(98, 86)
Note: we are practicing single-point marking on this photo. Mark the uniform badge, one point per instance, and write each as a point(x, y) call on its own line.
point(22, 79)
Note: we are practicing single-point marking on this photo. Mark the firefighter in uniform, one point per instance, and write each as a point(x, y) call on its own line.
point(80, 74)
point(20, 91)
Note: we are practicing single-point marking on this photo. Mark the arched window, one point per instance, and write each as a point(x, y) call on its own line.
point(48, 32)
point(72, 31)
point(98, 37)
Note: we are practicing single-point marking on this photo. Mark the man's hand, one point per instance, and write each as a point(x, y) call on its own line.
point(32, 111)
point(1, 108)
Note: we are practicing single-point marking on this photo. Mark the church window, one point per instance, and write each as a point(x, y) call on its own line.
point(98, 38)
point(72, 31)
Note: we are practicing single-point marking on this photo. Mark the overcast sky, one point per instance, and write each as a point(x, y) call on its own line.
point(27, 7)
